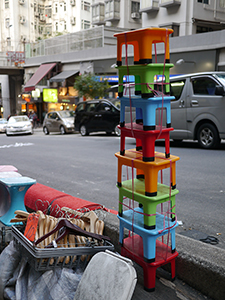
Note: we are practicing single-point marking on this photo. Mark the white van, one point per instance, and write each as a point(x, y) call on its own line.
point(198, 111)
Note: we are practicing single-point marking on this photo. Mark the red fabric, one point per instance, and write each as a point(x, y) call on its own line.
point(49, 200)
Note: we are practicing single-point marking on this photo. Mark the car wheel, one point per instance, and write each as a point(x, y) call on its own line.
point(45, 130)
point(83, 130)
point(117, 131)
point(208, 136)
point(62, 129)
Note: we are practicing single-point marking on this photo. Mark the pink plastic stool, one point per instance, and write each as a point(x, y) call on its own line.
point(8, 168)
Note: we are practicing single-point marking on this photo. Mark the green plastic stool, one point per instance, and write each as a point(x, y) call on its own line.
point(149, 203)
point(145, 77)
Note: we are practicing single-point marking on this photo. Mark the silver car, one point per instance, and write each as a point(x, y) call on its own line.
point(19, 125)
point(3, 123)
point(59, 121)
point(198, 108)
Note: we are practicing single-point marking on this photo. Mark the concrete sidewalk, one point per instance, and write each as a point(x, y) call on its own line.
point(200, 265)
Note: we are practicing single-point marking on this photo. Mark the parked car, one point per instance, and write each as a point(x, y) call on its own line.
point(116, 102)
point(19, 125)
point(59, 121)
point(3, 123)
point(197, 112)
point(97, 115)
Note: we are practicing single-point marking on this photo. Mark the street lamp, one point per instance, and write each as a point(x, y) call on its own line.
point(182, 61)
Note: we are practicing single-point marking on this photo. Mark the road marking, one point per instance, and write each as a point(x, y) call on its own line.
point(16, 145)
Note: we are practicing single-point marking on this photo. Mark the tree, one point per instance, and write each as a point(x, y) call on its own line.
point(88, 86)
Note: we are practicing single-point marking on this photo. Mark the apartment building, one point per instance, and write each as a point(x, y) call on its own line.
point(27, 21)
point(185, 17)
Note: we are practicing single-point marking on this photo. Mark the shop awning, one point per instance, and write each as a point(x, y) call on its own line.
point(63, 75)
point(38, 75)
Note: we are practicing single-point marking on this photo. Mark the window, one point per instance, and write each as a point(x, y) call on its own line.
point(176, 88)
point(202, 29)
point(91, 106)
point(103, 107)
point(8, 41)
point(85, 5)
point(175, 27)
point(48, 11)
point(85, 24)
point(204, 1)
point(135, 6)
point(56, 8)
point(112, 9)
point(203, 86)
point(56, 26)
point(222, 3)
point(7, 22)
point(6, 3)
point(65, 25)
point(52, 116)
point(64, 6)
point(81, 107)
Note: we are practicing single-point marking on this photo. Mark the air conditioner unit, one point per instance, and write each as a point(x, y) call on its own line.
point(22, 19)
point(135, 15)
point(72, 2)
point(73, 20)
point(21, 2)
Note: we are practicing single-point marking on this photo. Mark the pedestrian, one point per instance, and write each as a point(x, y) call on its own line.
point(33, 117)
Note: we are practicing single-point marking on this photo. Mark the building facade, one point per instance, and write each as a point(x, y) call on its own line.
point(185, 17)
point(53, 31)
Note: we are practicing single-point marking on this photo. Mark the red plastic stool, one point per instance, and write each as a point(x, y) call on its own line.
point(145, 140)
point(133, 249)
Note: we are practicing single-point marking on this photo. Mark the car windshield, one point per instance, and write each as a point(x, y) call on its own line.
point(66, 113)
point(221, 78)
point(18, 119)
point(116, 102)
point(3, 121)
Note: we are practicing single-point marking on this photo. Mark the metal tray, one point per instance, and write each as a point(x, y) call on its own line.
point(43, 259)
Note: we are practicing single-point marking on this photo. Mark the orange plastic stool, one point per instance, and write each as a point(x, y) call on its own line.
point(133, 249)
point(148, 170)
point(142, 40)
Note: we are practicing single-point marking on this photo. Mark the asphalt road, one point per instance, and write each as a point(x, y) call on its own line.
point(86, 167)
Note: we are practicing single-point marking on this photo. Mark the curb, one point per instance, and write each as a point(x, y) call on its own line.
point(200, 265)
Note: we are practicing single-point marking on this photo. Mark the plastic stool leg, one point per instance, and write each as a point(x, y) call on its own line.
point(149, 277)
point(173, 269)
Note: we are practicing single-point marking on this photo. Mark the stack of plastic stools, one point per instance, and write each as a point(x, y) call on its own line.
point(148, 245)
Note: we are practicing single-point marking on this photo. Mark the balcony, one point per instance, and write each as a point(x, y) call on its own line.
point(149, 5)
point(169, 3)
point(98, 13)
point(112, 10)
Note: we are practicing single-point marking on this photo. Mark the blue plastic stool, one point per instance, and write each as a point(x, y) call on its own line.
point(12, 192)
point(146, 109)
point(134, 221)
